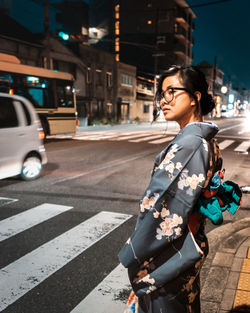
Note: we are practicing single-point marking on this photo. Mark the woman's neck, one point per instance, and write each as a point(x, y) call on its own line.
point(189, 120)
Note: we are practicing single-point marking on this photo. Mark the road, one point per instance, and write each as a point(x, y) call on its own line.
point(60, 234)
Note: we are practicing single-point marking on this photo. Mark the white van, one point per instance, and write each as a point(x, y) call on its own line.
point(21, 147)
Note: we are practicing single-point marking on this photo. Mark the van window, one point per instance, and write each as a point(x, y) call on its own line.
point(26, 113)
point(8, 116)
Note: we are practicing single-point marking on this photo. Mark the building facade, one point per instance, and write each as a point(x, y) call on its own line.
point(152, 34)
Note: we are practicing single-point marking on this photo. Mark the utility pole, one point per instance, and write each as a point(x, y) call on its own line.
point(214, 74)
point(47, 59)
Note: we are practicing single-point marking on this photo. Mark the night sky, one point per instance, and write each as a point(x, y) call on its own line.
point(221, 30)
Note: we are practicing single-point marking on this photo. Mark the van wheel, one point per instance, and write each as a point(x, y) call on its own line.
point(31, 169)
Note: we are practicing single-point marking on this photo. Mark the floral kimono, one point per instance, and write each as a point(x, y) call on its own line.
point(165, 253)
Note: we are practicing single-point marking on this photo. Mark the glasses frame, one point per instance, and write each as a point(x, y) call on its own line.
point(173, 96)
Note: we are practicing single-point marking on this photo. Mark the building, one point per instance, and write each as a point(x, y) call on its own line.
point(143, 108)
point(214, 77)
point(152, 34)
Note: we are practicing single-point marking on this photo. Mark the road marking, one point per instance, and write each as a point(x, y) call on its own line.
point(99, 137)
point(129, 137)
point(161, 140)
point(230, 127)
point(5, 201)
point(225, 143)
point(146, 138)
point(22, 221)
point(19, 277)
point(106, 297)
point(243, 147)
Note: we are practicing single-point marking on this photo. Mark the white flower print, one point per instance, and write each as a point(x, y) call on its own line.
point(169, 156)
point(178, 231)
point(190, 182)
point(164, 212)
point(156, 214)
point(147, 279)
point(169, 227)
point(150, 289)
point(148, 203)
point(170, 168)
point(178, 165)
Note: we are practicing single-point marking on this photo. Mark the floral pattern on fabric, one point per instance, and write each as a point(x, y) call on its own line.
point(190, 183)
point(170, 226)
point(147, 202)
point(168, 165)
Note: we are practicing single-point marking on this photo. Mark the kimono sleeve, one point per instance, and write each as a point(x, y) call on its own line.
point(168, 201)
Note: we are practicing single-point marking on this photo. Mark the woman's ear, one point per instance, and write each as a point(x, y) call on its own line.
point(198, 98)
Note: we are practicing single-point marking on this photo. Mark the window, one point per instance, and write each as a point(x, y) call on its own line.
point(64, 95)
point(88, 75)
point(126, 80)
point(99, 77)
point(145, 108)
point(26, 113)
point(8, 117)
point(109, 79)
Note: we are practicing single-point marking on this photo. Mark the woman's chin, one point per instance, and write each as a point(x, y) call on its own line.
point(169, 117)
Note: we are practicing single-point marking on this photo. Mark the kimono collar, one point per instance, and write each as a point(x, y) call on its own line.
point(203, 129)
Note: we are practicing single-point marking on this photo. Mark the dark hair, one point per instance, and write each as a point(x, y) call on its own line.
point(193, 80)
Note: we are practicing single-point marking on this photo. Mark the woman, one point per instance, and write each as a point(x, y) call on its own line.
point(165, 253)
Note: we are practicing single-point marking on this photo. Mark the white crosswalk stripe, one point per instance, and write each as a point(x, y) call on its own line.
point(22, 221)
point(146, 138)
point(243, 147)
point(106, 294)
point(225, 143)
point(130, 137)
point(23, 274)
point(165, 139)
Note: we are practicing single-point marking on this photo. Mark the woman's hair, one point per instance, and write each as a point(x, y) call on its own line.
point(193, 80)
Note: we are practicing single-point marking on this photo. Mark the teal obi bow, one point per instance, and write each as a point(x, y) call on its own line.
point(218, 197)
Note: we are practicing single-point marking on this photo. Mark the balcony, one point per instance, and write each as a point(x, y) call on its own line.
point(180, 48)
point(180, 31)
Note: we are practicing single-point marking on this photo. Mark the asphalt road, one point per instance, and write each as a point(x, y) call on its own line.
point(46, 265)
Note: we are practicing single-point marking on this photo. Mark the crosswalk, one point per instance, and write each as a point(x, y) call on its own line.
point(20, 277)
point(157, 137)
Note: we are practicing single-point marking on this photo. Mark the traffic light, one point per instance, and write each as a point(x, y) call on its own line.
point(64, 36)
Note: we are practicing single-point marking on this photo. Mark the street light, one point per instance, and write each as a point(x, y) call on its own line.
point(224, 89)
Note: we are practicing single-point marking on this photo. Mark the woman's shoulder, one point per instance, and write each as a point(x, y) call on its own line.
point(189, 141)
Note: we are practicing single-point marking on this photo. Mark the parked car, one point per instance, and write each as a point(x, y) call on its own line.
point(21, 139)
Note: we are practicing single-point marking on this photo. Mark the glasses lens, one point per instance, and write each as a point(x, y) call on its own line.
point(168, 95)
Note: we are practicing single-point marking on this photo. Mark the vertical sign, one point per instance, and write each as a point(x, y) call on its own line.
point(117, 32)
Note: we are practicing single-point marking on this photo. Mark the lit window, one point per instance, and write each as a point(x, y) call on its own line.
point(109, 79)
point(126, 80)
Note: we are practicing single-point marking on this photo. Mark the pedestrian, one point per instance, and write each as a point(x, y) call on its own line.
point(165, 253)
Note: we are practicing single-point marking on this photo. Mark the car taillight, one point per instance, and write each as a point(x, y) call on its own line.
point(41, 134)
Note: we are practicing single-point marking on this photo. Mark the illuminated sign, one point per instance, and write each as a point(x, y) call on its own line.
point(117, 32)
point(231, 98)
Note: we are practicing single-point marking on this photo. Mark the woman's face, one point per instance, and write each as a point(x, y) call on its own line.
point(182, 107)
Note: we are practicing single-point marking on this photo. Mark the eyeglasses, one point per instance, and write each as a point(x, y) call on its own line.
point(168, 94)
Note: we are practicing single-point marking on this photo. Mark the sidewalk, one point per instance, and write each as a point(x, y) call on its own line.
point(225, 276)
